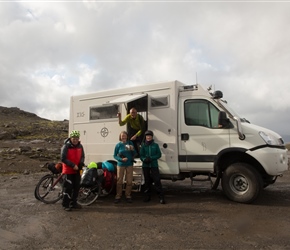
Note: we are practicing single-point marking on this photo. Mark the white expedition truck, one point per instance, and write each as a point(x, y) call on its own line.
point(197, 132)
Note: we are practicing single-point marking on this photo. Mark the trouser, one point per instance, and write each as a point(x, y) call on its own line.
point(71, 187)
point(128, 172)
point(137, 142)
point(152, 174)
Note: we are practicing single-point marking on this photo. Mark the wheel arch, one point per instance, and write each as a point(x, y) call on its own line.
point(230, 156)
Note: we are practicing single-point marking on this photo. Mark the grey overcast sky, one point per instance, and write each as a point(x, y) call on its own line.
point(51, 50)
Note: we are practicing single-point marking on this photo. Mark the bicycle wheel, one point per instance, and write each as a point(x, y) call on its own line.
point(88, 195)
point(47, 191)
point(111, 188)
point(36, 193)
point(108, 189)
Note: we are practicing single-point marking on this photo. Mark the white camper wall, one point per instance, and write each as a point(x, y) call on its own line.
point(99, 137)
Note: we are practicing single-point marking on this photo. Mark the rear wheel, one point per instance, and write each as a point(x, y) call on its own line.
point(45, 192)
point(106, 190)
point(88, 195)
point(112, 188)
point(241, 183)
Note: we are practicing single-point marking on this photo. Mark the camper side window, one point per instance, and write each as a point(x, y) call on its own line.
point(103, 112)
point(161, 101)
point(200, 113)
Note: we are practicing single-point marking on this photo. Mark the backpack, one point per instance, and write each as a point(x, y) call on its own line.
point(108, 179)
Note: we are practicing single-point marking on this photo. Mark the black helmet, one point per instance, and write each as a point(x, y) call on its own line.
point(149, 132)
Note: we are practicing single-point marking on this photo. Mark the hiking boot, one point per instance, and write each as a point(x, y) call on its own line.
point(147, 199)
point(77, 206)
point(67, 209)
point(116, 201)
point(129, 200)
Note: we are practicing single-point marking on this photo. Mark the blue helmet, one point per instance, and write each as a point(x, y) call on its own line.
point(109, 166)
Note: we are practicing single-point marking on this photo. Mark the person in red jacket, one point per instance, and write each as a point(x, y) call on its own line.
point(72, 157)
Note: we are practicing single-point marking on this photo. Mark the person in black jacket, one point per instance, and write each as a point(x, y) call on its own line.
point(149, 155)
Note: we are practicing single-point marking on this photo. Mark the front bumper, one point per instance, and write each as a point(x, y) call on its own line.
point(274, 160)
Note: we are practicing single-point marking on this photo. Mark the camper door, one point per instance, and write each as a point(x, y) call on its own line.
point(138, 101)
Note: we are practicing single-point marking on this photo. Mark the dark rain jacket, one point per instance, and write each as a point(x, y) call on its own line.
point(70, 156)
point(151, 150)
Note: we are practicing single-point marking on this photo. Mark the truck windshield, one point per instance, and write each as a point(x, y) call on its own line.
point(224, 105)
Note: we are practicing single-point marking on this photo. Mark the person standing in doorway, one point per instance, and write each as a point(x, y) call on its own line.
point(136, 127)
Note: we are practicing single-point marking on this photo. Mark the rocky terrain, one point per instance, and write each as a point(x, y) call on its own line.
point(27, 141)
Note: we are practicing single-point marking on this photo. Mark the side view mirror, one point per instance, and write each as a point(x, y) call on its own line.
point(222, 119)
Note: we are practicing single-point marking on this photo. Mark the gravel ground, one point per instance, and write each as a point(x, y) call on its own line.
point(194, 217)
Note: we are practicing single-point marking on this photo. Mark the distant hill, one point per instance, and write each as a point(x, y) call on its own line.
point(18, 124)
point(27, 141)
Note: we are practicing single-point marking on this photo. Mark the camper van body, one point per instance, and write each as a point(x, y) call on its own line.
point(196, 130)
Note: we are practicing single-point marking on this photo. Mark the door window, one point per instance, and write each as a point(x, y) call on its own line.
point(200, 113)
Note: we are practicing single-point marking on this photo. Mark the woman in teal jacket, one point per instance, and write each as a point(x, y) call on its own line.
point(124, 154)
point(149, 155)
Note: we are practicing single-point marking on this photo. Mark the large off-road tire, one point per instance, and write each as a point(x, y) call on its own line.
point(241, 183)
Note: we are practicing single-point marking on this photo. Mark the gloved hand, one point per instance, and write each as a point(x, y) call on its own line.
point(147, 160)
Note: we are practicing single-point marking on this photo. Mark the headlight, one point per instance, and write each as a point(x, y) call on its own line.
point(270, 139)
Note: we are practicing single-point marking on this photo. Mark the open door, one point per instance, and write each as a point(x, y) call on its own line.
point(138, 101)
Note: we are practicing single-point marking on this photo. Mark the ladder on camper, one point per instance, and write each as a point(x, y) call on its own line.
point(138, 177)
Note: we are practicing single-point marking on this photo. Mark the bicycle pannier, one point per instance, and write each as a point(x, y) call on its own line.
point(108, 179)
point(55, 168)
point(89, 177)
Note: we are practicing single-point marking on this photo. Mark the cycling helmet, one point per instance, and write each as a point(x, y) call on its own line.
point(74, 133)
point(92, 165)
